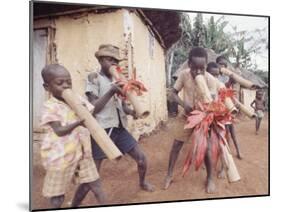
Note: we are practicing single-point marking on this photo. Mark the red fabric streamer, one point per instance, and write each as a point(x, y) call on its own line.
point(208, 124)
point(226, 92)
point(130, 85)
point(119, 69)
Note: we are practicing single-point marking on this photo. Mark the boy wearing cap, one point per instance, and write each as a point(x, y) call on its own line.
point(111, 112)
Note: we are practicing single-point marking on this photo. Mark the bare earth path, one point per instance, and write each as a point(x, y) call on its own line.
point(120, 179)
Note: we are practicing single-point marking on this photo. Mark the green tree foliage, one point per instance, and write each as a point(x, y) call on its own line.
point(210, 35)
point(244, 44)
point(198, 31)
point(215, 37)
point(239, 45)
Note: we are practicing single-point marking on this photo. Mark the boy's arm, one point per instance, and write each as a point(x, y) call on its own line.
point(99, 103)
point(252, 104)
point(231, 81)
point(264, 105)
point(175, 97)
point(178, 86)
point(64, 130)
point(185, 105)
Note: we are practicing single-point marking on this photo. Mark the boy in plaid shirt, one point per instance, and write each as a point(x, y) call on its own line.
point(66, 148)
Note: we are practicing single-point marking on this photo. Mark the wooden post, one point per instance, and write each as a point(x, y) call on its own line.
point(98, 133)
point(140, 109)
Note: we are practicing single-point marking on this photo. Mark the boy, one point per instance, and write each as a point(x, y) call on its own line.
point(213, 69)
point(222, 62)
point(197, 62)
point(259, 106)
point(111, 112)
point(66, 148)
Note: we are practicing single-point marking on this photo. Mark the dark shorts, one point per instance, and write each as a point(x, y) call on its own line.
point(124, 141)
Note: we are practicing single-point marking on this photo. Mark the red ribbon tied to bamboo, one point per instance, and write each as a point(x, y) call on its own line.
point(208, 121)
point(131, 85)
point(226, 92)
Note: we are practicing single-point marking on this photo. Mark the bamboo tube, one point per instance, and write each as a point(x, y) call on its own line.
point(205, 92)
point(245, 83)
point(231, 169)
point(98, 133)
point(244, 109)
point(203, 88)
point(140, 109)
point(228, 102)
point(232, 172)
point(230, 106)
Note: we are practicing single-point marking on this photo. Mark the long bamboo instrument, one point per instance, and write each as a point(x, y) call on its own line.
point(245, 83)
point(141, 110)
point(97, 132)
point(231, 169)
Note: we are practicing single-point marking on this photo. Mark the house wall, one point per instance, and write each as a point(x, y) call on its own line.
point(78, 37)
point(149, 61)
point(248, 97)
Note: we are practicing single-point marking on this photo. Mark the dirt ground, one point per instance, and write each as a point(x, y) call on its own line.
point(120, 178)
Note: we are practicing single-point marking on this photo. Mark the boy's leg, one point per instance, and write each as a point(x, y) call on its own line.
point(98, 163)
point(177, 145)
point(83, 190)
point(80, 194)
point(96, 188)
point(137, 154)
point(97, 154)
point(210, 186)
point(236, 144)
point(57, 201)
point(258, 124)
point(89, 179)
point(55, 184)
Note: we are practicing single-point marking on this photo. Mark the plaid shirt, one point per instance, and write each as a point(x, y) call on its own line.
point(59, 152)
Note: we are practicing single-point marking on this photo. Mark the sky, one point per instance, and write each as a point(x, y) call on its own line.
point(249, 24)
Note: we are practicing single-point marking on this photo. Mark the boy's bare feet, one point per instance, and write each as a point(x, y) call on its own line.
point(210, 187)
point(221, 174)
point(147, 187)
point(239, 156)
point(168, 181)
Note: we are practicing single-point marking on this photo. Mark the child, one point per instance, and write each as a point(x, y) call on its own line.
point(66, 148)
point(197, 62)
point(259, 106)
point(213, 69)
point(111, 112)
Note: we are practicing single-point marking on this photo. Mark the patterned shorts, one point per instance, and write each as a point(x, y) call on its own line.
point(56, 182)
